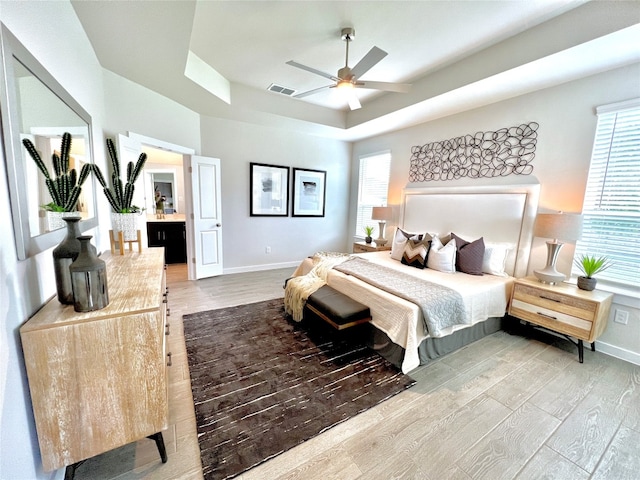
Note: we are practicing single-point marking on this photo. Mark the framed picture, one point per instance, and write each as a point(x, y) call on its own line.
point(269, 190)
point(309, 187)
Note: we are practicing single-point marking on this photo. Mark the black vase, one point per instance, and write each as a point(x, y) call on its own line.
point(88, 279)
point(63, 255)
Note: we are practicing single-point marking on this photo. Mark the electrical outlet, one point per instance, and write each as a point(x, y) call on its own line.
point(621, 316)
point(267, 249)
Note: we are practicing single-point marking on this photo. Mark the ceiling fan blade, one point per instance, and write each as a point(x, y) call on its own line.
point(311, 92)
point(368, 61)
point(387, 87)
point(313, 70)
point(354, 103)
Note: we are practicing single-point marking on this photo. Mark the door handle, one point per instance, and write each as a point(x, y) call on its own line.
point(218, 224)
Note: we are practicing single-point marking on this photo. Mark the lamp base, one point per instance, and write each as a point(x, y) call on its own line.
point(381, 241)
point(549, 274)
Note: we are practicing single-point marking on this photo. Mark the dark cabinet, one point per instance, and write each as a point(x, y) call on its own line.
point(170, 235)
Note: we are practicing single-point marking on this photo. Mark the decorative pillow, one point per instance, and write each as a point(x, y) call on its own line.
point(416, 252)
point(495, 258)
point(470, 255)
point(442, 258)
point(399, 241)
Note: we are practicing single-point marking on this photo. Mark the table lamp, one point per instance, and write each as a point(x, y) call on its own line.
point(556, 226)
point(382, 214)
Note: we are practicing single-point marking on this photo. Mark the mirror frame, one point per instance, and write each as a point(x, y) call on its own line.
point(26, 244)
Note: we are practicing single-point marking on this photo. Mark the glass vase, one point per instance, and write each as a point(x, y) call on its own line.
point(88, 279)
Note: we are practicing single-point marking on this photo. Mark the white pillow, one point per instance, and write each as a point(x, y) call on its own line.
point(495, 258)
point(399, 241)
point(442, 258)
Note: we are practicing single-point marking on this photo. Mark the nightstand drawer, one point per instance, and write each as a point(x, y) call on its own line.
point(553, 319)
point(362, 247)
point(572, 306)
point(359, 249)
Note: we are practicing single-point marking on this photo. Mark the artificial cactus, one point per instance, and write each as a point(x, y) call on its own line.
point(119, 197)
point(65, 186)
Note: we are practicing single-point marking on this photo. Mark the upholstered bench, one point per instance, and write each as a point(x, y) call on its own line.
point(337, 309)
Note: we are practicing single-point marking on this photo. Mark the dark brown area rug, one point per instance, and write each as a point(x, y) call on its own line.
point(263, 383)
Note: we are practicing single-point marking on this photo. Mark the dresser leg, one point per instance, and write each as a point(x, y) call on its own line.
point(593, 346)
point(580, 351)
point(160, 444)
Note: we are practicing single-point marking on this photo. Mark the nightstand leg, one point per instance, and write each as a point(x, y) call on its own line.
point(160, 444)
point(580, 351)
point(593, 346)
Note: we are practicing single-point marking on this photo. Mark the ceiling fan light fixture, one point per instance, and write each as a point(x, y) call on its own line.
point(345, 84)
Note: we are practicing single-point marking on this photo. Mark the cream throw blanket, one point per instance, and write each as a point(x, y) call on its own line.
point(299, 288)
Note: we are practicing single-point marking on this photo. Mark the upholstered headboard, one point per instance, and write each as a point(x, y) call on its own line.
point(499, 214)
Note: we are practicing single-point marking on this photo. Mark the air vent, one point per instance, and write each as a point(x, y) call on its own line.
point(280, 89)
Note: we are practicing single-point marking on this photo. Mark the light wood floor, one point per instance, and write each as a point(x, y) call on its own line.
point(505, 407)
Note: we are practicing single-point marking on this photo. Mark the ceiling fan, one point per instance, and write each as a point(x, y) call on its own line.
point(349, 78)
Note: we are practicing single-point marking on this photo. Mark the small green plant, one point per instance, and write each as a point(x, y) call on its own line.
point(368, 230)
point(65, 187)
point(590, 264)
point(120, 197)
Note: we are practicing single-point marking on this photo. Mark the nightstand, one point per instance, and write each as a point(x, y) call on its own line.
point(562, 308)
point(363, 247)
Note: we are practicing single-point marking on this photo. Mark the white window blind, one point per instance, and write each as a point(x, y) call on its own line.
point(611, 207)
point(373, 185)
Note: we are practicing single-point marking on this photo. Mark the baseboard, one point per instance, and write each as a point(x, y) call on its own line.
point(621, 353)
point(257, 268)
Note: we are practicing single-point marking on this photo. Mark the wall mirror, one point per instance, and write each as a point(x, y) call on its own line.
point(164, 186)
point(35, 106)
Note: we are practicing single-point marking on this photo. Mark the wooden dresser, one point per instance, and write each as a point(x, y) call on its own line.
point(563, 308)
point(98, 380)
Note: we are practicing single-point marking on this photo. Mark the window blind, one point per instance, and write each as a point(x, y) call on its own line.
point(611, 207)
point(373, 186)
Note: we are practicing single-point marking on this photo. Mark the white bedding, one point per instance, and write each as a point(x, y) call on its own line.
point(484, 297)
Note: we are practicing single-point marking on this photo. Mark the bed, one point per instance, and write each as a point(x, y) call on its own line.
point(503, 215)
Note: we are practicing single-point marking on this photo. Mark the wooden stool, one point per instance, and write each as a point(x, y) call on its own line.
point(121, 241)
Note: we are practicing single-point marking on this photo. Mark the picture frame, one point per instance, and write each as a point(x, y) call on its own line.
point(269, 190)
point(309, 189)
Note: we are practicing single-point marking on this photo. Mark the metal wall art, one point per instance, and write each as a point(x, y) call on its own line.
point(508, 151)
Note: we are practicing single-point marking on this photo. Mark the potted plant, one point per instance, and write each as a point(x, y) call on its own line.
point(590, 265)
point(368, 230)
point(121, 197)
point(65, 186)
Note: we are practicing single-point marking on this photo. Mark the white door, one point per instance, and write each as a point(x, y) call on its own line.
point(207, 216)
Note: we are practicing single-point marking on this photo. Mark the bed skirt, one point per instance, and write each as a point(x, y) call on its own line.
point(432, 348)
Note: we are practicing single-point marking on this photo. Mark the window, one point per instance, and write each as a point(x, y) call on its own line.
point(611, 207)
point(373, 185)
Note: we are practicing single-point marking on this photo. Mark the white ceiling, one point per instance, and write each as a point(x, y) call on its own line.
point(248, 43)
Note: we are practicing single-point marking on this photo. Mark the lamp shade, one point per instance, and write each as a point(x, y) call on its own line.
point(560, 226)
point(381, 213)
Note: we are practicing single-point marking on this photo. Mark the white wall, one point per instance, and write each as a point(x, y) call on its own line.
point(567, 119)
point(290, 238)
point(52, 33)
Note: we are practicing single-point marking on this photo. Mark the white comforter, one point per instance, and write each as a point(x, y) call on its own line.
point(484, 296)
